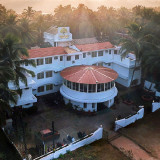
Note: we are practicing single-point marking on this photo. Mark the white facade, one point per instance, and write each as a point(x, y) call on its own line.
point(60, 36)
point(124, 67)
point(27, 99)
point(88, 102)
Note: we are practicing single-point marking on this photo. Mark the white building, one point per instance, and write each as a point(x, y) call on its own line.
point(27, 99)
point(89, 88)
point(51, 61)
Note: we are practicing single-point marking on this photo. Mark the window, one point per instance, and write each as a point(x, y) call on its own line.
point(112, 84)
point(100, 64)
point(106, 51)
point(76, 57)
point(48, 74)
point(74, 86)
point(84, 55)
point(26, 64)
point(61, 58)
point(109, 64)
point(91, 88)
point(49, 87)
point(93, 105)
point(40, 75)
point(41, 89)
point(94, 54)
point(85, 87)
point(115, 51)
point(69, 84)
point(68, 58)
point(85, 105)
point(106, 86)
point(77, 86)
point(65, 82)
point(98, 87)
point(100, 53)
point(56, 57)
point(39, 62)
point(109, 51)
point(102, 86)
point(81, 87)
point(48, 60)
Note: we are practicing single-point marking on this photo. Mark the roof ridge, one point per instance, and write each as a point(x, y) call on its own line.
point(83, 74)
point(103, 74)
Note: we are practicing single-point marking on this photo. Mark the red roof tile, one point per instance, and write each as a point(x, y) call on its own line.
point(95, 46)
point(44, 52)
point(89, 74)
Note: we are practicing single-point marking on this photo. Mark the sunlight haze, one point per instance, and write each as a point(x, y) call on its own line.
point(48, 6)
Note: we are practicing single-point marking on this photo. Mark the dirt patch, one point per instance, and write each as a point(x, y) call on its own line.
point(146, 132)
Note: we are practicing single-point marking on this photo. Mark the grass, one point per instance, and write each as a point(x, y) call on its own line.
point(7, 151)
point(99, 150)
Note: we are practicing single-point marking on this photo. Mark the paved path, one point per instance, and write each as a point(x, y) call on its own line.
point(124, 144)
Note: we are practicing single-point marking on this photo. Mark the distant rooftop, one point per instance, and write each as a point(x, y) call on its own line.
point(52, 30)
point(95, 46)
point(84, 41)
point(52, 51)
point(69, 50)
point(44, 52)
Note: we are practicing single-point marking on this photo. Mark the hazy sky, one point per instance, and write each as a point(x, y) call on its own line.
point(48, 6)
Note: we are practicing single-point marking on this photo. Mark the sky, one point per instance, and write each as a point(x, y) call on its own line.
point(48, 6)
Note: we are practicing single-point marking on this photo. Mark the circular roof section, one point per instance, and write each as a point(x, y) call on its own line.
point(89, 74)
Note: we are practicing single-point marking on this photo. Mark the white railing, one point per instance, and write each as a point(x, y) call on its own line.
point(128, 120)
point(155, 106)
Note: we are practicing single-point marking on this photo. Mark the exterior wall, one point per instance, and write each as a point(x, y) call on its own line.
point(149, 85)
point(157, 94)
point(73, 146)
point(155, 106)
point(126, 121)
point(83, 97)
point(27, 99)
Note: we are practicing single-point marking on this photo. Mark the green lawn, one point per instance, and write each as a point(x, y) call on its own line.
point(7, 151)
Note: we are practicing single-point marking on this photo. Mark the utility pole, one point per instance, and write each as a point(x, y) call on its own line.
point(53, 132)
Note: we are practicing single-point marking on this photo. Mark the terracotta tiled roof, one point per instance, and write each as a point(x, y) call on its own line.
point(84, 41)
point(89, 74)
point(95, 46)
point(44, 52)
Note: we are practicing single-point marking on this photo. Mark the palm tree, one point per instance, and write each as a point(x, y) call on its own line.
point(6, 95)
point(151, 65)
point(137, 43)
point(10, 25)
point(28, 13)
point(11, 69)
point(12, 53)
point(26, 32)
